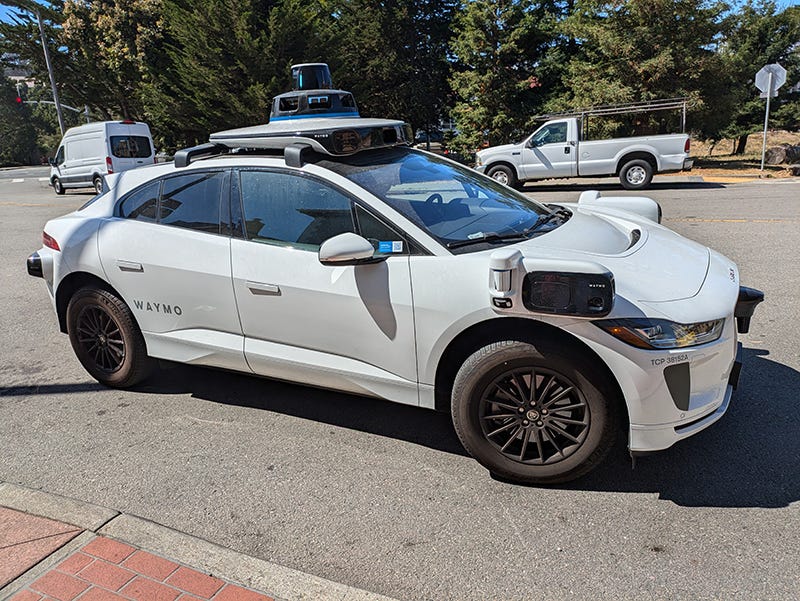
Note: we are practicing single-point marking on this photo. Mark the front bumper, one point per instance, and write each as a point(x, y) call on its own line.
point(648, 439)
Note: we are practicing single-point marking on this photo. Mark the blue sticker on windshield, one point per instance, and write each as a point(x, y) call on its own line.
point(390, 246)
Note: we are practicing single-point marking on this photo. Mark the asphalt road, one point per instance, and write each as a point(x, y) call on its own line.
point(381, 496)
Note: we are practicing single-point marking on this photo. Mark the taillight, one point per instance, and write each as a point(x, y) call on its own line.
point(108, 165)
point(49, 241)
point(686, 146)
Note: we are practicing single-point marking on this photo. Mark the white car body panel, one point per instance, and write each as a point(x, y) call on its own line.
point(382, 329)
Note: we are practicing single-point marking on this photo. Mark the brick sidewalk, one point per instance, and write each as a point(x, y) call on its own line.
point(102, 570)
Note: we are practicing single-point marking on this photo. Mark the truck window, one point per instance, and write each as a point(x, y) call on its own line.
point(554, 133)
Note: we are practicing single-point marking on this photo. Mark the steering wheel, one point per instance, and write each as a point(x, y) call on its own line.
point(434, 198)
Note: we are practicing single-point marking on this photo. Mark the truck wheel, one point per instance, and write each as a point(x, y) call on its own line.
point(636, 174)
point(106, 339)
point(58, 186)
point(503, 174)
point(533, 413)
point(97, 182)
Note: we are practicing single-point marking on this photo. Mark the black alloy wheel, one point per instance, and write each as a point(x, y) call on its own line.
point(534, 412)
point(534, 415)
point(106, 338)
point(101, 338)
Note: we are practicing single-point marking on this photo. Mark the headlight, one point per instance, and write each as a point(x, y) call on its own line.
point(478, 161)
point(662, 334)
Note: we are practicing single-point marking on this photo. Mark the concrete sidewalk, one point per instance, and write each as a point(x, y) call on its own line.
point(53, 547)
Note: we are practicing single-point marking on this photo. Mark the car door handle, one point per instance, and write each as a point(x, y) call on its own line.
point(566, 149)
point(129, 266)
point(260, 289)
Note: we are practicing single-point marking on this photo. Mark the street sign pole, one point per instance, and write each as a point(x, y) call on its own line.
point(766, 120)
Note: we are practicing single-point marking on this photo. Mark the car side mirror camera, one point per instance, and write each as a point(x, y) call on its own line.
point(348, 249)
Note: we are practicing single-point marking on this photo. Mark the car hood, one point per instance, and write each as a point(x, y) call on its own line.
point(649, 262)
point(504, 148)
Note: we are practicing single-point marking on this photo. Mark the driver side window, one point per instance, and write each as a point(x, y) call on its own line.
point(555, 133)
point(290, 210)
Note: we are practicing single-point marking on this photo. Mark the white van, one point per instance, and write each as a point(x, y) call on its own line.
point(90, 151)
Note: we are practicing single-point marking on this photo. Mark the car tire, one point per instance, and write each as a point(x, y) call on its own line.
point(563, 433)
point(636, 174)
point(503, 174)
point(97, 182)
point(106, 338)
point(58, 186)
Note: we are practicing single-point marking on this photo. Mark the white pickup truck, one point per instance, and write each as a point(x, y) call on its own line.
point(556, 150)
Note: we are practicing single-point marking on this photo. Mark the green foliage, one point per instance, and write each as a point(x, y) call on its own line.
point(17, 136)
point(393, 56)
point(647, 49)
point(760, 34)
point(499, 46)
point(193, 67)
point(226, 76)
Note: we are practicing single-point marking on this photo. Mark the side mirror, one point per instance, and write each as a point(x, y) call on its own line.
point(51, 161)
point(347, 249)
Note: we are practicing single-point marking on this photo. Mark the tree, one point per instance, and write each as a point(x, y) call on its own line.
point(759, 34)
point(638, 50)
point(226, 77)
point(17, 135)
point(107, 42)
point(393, 56)
point(500, 47)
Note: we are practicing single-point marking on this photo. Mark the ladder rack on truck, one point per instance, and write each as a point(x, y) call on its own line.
point(647, 106)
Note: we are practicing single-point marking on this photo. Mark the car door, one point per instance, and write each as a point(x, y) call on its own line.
point(347, 327)
point(167, 252)
point(550, 152)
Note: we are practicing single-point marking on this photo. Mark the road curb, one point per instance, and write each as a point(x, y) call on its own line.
point(276, 580)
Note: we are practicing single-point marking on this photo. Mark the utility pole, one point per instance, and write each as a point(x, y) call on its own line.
point(50, 72)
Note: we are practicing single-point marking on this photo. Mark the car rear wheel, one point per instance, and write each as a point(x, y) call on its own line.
point(533, 413)
point(106, 338)
point(636, 174)
point(503, 174)
point(97, 182)
point(58, 186)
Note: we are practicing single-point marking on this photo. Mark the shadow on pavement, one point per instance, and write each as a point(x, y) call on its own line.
point(750, 458)
point(747, 459)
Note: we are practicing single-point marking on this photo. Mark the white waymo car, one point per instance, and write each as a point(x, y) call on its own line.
point(328, 252)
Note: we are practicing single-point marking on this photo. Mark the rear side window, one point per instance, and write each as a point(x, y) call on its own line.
point(131, 147)
point(291, 210)
point(192, 201)
point(142, 204)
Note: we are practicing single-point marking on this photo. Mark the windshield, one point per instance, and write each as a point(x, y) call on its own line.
point(454, 204)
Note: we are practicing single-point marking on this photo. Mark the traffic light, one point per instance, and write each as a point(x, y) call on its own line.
point(19, 101)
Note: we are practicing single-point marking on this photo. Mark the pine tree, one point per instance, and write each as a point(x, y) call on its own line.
point(500, 48)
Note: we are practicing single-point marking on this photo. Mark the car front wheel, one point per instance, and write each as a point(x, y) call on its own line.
point(106, 338)
point(533, 413)
point(503, 174)
point(58, 186)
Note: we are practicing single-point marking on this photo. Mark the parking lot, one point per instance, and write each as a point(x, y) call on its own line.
point(382, 496)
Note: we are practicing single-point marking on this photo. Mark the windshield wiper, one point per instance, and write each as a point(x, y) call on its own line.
point(489, 237)
point(558, 214)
